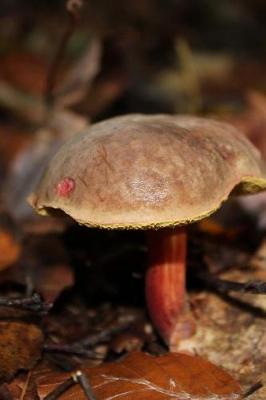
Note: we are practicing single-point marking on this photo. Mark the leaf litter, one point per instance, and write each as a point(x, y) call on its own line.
point(98, 307)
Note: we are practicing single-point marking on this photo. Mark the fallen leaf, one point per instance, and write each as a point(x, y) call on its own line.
point(141, 376)
point(20, 347)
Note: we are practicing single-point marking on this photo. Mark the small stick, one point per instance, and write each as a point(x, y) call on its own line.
point(254, 388)
point(77, 377)
point(79, 348)
point(85, 385)
point(33, 303)
point(225, 286)
point(61, 389)
point(75, 348)
point(73, 7)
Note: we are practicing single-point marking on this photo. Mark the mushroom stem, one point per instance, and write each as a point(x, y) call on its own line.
point(165, 284)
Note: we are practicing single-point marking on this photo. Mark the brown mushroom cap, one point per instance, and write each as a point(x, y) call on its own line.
point(141, 171)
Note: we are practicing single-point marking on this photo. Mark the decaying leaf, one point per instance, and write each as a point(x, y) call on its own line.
point(141, 377)
point(20, 347)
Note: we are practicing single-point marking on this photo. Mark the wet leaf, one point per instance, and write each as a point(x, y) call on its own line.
point(140, 376)
point(20, 347)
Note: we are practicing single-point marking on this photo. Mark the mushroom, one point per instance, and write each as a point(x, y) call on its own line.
point(158, 173)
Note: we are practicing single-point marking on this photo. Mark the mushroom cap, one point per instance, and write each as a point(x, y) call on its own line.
point(142, 171)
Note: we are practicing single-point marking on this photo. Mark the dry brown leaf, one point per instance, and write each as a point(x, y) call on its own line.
point(20, 347)
point(141, 377)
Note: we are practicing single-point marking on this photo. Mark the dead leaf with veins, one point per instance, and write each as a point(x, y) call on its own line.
point(141, 376)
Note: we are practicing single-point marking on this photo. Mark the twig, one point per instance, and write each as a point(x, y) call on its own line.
point(76, 348)
point(73, 8)
point(84, 383)
point(81, 347)
point(254, 388)
point(225, 286)
point(77, 377)
point(61, 389)
point(33, 303)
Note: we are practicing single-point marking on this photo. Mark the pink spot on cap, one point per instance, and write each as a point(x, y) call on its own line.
point(65, 187)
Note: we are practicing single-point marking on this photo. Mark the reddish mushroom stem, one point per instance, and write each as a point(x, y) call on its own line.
point(165, 284)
